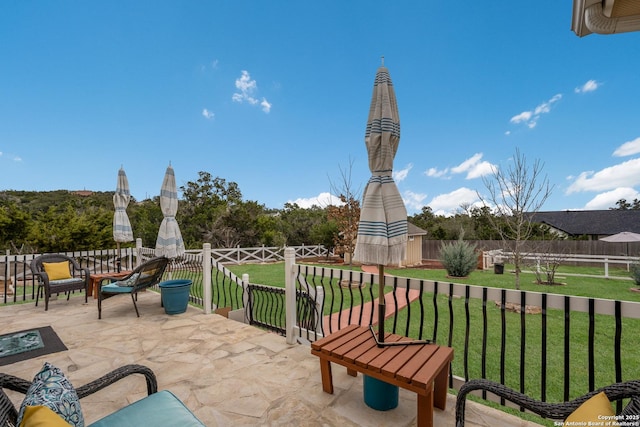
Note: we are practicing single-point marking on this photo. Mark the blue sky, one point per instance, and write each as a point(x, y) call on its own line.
point(274, 95)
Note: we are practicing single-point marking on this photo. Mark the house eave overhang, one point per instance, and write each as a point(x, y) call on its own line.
point(591, 16)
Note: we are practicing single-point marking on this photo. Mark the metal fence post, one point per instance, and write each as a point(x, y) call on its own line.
point(206, 278)
point(290, 293)
point(245, 298)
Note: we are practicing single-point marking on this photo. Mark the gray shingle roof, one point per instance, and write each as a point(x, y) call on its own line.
point(414, 230)
point(577, 223)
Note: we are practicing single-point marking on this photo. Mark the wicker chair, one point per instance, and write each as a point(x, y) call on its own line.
point(555, 411)
point(9, 413)
point(79, 278)
point(146, 275)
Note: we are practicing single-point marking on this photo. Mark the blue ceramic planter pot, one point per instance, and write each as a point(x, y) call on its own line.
point(379, 395)
point(175, 295)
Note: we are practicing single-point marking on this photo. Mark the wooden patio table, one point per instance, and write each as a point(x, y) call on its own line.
point(421, 368)
point(96, 278)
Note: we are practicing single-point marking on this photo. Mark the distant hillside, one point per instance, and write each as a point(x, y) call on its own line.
point(40, 201)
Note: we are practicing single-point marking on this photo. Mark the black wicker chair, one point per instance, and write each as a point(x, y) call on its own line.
point(79, 278)
point(146, 275)
point(555, 411)
point(9, 413)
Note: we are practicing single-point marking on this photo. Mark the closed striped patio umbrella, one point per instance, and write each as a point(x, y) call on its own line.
point(122, 231)
point(382, 230)
point(169, 242)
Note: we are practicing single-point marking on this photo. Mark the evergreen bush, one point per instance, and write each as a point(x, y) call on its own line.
point(634, 270)
point(459, 258)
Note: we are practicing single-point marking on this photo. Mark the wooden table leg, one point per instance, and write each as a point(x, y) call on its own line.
point(425, 409)
point(327, 379)
point(441, 388)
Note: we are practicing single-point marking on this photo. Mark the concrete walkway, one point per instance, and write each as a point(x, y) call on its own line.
point(227, 373)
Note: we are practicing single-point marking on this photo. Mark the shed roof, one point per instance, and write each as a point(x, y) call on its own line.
point(413, 230)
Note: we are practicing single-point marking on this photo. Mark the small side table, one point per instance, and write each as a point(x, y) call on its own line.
point(95, 279)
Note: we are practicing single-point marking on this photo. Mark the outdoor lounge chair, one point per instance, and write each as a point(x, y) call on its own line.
point(146, 275)
point(158, 408)
point(58, 273)
point(555, 411)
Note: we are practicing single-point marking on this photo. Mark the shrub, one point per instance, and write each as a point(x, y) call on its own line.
point(459, 258)
point(634, 270)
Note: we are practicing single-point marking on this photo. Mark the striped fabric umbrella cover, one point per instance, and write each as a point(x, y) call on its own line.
point(122, 231)
point(169, 242)
point(382, 230)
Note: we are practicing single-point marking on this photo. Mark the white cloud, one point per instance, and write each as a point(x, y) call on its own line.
point(248, 89)
point(447, 204)
point(626, 174)
point(608, 199)
point(435, 173)
point(321, 200)
point(0, 153)
point(589, 86)
point(628, 148)
point(17, 159)
point(413, 201)
point(530, 118)
point(467, 164)
point(208, 114)
point(522, 117)
point(401, 175)
point(266, 106)
point(474, 167)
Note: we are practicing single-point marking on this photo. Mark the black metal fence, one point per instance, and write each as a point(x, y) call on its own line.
point(553, 347)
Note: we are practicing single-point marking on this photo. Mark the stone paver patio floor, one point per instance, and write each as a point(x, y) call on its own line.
point(227, 373)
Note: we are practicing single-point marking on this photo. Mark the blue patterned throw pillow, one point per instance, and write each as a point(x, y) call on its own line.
point(51, 388)
point(128, 282)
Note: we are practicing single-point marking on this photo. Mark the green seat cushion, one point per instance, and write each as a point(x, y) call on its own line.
point(159, 409)
point(114, 288)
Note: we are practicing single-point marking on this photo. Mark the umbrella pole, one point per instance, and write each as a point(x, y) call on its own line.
point(381, 304)
point(381, 314)
point(118, 257)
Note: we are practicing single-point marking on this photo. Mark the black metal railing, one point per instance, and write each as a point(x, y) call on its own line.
point(267, 308)
point(553, 347)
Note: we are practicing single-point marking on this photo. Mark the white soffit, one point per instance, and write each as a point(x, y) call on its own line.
point(605, 17)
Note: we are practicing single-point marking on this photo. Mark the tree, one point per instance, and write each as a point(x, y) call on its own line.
point(623, 205)
point(207, 203)
point(515, 192)
point(146, 217)
point(325, 234)
point(14, 223)
point(345, 218)
point(430, 222)
point(298, 222)
point(346, 215)
point(483, 219)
